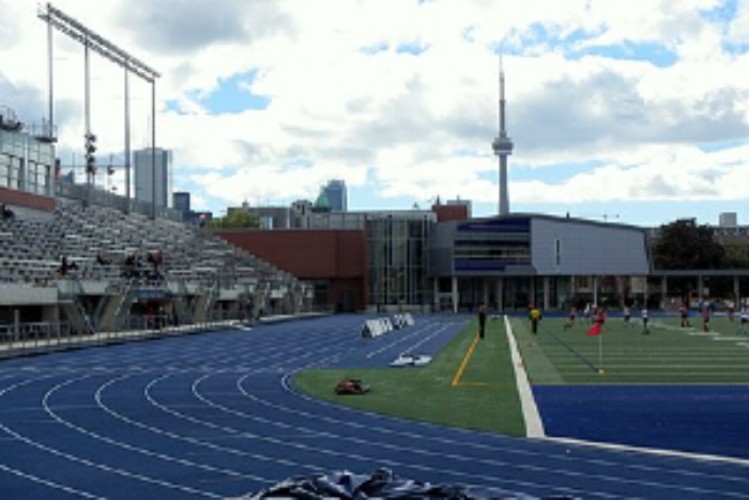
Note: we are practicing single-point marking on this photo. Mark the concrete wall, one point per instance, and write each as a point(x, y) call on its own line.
point(29, 200)
point(587, 248)
point(19, 295)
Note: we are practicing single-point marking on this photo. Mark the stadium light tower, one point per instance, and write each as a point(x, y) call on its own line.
point(90, 147)
point(502, 146)
point(57, 19)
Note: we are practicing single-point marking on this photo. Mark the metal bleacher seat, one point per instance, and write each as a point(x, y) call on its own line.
point(31, 249)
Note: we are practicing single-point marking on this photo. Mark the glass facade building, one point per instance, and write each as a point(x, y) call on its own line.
point(492, 245)
point(398, 258)
point(182, 202)
point(153, 181)
point(510, 262)
point(337, 196)
point(26, 163)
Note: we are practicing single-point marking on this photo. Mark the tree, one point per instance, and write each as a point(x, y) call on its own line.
point(236, 219)
point(737, 255)
point(683, 244)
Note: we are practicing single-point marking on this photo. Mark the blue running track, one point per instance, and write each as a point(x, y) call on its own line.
point(215, 415)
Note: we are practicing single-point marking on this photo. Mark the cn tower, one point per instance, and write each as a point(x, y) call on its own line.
point(502, 146)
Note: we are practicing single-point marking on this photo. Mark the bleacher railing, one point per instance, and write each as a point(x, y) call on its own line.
point(36, 338)
point(98, 196)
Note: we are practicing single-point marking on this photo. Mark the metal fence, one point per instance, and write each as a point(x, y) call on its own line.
point(35, 338)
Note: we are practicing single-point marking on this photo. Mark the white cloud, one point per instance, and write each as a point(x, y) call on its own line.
point(739, 28)
point(412, 126)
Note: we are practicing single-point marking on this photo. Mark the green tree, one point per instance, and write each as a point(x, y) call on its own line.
point(683, 244)
point(235, 219)
point(737, 255)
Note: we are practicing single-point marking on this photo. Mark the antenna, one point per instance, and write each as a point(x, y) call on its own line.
point(502, 145)
point(500, 108)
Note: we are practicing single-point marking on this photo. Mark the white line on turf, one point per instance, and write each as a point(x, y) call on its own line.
point(534, 427)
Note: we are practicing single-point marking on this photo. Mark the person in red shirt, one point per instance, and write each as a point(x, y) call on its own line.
point(705, 318)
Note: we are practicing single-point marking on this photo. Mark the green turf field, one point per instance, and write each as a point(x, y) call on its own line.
point(667, 355)
point(484, 396)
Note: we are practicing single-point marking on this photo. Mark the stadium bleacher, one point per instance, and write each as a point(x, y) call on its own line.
point(125, 268)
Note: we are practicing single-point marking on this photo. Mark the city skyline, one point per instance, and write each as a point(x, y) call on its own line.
point(627, 113)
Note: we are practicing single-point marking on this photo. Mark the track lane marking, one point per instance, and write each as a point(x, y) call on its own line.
point(464, 363)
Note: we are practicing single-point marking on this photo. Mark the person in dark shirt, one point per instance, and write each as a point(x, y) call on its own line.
point(66, 266)
point(6, 211)
point(482, 320)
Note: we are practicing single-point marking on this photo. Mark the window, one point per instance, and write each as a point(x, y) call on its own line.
point(4, 170)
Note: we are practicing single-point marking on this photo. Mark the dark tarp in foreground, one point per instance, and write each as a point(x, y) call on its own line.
point(383, 483)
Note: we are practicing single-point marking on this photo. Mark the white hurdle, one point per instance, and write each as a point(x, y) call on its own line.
point(378, 326)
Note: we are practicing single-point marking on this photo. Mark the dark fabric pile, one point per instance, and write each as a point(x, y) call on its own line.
point(383, 483)
point(351, 386)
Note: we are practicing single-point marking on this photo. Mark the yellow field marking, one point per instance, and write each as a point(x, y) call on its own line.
point(459, 373)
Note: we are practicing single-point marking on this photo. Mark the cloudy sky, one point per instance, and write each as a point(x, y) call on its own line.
point(627, 111)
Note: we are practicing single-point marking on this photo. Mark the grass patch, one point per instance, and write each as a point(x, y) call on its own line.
point(668, 355)
point(485, 399)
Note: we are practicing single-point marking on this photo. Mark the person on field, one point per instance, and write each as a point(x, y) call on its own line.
point(645, 320)
point(684, 314)
point(599, 319)
point(744, 321)
point(705, 318)
point(627, 316)
point(587, 312)
point(482, 320)
point(731, 309)
point(571, 317)
point(535, 316)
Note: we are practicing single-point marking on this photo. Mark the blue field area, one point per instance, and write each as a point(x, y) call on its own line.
point(699, 419)
point(216, 415)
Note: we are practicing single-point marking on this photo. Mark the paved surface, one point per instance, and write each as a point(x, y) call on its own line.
point(214, 415)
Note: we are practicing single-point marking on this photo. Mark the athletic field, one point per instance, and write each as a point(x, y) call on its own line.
point(663, 387)
point(668, 354)
point(468, 384)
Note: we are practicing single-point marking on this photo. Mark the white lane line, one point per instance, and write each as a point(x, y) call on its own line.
point(28, 476)
point(130, 447)
point(404, 339)
point(191, 440)
point(47, 482)
point(534, 427)
point(651, 451)
point(73, 458)
point(100, 465)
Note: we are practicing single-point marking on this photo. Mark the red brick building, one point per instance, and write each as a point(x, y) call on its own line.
point(334, 260)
